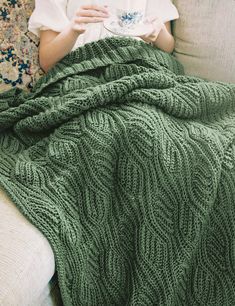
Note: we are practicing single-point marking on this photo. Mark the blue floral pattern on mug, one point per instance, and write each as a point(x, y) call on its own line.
point(130, 18)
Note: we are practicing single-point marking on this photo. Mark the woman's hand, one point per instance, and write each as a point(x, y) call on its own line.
point(157, 26)
point(160, 36)
point(88, 14)
point(55, 45)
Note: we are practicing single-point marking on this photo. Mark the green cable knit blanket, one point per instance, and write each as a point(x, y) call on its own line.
point(127, 166)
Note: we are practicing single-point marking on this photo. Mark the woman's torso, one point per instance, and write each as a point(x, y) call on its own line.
point(56, 14)
point(94, 31)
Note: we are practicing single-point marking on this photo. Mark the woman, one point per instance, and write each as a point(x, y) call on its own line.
point(64, 25)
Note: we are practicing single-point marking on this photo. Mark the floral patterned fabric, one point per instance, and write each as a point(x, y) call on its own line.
point(19, 65)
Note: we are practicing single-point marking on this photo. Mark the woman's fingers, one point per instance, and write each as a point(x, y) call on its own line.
point(88, 19)
point(91, 13)
point(94, 7)
point(88, 14)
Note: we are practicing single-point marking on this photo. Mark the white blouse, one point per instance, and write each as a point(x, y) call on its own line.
point(56, 14)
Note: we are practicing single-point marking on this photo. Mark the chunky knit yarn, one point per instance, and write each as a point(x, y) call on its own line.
point(127, 166)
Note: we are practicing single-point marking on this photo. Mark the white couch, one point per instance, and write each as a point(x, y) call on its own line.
point(26, 261)
point(205, 44)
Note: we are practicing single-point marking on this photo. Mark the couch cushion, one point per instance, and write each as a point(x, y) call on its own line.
point(204, 38)
point(51, 295)
point(19, 64)
point(26, 258)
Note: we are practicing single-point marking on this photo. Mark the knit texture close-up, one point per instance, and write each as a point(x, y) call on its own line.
point(127, 167)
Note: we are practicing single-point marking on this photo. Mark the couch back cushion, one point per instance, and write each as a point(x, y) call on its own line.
point(18, 48)
point(205, 38)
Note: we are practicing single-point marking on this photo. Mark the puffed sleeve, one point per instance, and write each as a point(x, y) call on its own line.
point(164, 9)
point(48, 14)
